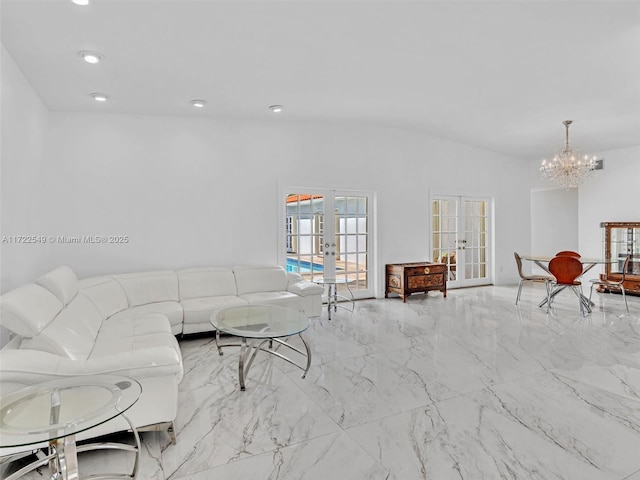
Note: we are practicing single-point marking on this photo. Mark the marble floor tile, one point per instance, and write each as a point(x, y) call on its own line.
point(219, 424)
point(618, 379)
point(469, 386)
point(538, 427)
point(330, 456)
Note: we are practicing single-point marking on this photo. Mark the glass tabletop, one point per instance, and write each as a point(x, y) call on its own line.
point(542, 258)
point(333, 280)
point(260, 321)
point(63, 407)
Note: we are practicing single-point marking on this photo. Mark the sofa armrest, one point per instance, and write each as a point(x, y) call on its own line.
point(27, 367)
point(302, 287)
point(294, 277)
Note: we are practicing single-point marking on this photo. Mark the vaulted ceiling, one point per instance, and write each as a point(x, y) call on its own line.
point(502, 75)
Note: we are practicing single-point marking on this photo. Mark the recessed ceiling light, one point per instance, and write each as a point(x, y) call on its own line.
point(198, 103)
point(276, 108)
point(81, 2)
point(90, 57)
point(100, 97)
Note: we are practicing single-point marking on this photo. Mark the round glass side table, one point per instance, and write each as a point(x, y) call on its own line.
point(332, 294)
point(54, 412)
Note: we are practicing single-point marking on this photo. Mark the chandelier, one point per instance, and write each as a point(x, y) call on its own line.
point(568, 169)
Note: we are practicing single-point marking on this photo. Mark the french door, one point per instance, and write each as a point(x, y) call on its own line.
point(461, 238)
point(327, 233)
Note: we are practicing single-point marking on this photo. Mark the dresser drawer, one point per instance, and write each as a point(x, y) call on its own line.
point(423, 281)
point(425, 270)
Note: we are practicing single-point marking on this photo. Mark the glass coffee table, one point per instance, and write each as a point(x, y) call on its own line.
point(55, 412)
point(257, 326)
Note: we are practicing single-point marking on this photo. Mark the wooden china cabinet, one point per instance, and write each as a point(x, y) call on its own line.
point(619, 240)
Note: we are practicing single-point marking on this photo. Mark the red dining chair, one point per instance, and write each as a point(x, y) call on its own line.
point(566, 271)
point(609, 284)
point(568, 253)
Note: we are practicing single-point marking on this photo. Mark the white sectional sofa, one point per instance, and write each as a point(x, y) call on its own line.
point(127, 324)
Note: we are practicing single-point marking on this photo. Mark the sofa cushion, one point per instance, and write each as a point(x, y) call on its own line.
point(62, 282)
point(171, 310)
point(206, 282)
point(118, 346)
point(260, 279)
point(149, 287)
point(73, 332)
point(199, 310)
point(108, 297)
point(286, 299)
point(28, 309)
point(122, 334)
point(123, 327)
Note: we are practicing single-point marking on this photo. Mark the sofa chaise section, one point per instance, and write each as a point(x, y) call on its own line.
point(68, 335)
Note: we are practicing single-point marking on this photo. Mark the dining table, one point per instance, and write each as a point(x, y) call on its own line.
point(542, 261)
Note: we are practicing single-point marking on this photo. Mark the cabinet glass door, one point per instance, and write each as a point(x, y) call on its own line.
point(623, 241)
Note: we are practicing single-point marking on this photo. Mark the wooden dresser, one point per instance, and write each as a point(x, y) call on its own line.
point(407, 278)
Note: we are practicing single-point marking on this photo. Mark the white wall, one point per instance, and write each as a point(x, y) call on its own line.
point(190, 191)
point(24, 122)
point(554, 220)
point(613, 195)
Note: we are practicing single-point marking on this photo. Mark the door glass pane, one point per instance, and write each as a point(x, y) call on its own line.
point(476, 225)
point(362, 243)
point(351, 230)
point(304, 224)
point(445, 226)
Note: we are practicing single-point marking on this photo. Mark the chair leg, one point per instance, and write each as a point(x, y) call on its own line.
point(519, 291)
point(549, 297)
point(578, 292)
point(625, 299)
point(586, 302)
point(575, 290)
